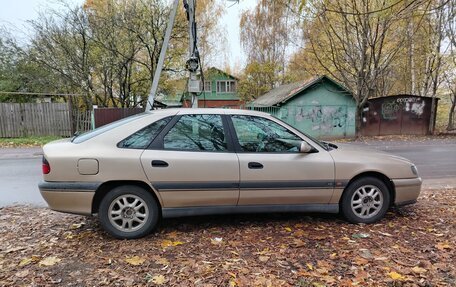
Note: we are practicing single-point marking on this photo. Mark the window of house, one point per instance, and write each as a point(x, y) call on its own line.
point(226, 86)
point(207, 86)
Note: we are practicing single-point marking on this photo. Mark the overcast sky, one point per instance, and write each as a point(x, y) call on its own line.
point(15, 13)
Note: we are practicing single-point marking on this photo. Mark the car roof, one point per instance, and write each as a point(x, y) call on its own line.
point(185, 111)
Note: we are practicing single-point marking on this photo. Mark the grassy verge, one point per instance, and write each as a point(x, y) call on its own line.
point(26, 141)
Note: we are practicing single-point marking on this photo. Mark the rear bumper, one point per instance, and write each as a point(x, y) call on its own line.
point(407, 190)
point(70, 197)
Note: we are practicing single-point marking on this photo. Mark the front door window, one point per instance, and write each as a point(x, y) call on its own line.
point(256, 134)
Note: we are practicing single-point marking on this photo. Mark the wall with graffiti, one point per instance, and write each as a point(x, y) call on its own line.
point(401, 114)
point(323, 111)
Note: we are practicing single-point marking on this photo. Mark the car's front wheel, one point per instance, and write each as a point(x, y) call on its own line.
point(128, 212)
point(365, 200)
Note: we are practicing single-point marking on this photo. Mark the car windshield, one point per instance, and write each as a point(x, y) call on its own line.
point(98, 131)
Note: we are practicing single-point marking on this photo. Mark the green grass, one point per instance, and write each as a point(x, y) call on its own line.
point(33, 141)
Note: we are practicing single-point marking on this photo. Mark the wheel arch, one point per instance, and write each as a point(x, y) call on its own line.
point(109, 185)
point(385, 179)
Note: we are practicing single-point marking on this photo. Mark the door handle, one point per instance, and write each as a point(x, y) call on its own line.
point(255, 165)
point(159, 163)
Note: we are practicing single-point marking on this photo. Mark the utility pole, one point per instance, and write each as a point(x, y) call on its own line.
point(161, 58)
point(193, 62)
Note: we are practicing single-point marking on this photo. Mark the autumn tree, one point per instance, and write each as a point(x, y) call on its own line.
point(265, 34)
point(356, 42)
point(449, 74)
point(62, 44)
point(108, 49)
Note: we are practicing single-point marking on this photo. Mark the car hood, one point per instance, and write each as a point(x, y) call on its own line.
point(353, 159)
point(371, 152)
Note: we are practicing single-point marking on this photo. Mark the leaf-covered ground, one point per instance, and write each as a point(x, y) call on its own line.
point(413, 246)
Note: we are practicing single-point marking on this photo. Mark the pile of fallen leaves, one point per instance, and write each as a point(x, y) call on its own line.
point(412, 246)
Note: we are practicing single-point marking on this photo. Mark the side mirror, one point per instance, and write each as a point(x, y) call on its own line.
point(305, 147)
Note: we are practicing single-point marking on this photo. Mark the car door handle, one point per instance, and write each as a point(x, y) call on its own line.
point(255, 165)
point(159, 163)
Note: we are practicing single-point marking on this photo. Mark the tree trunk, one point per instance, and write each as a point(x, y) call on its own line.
point(451, 121)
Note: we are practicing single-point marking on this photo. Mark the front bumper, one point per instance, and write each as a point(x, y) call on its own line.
point(70, 197)
point(407, 190)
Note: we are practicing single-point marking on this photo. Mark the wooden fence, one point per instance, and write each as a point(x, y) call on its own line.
point(34, 119)
point(105, 116)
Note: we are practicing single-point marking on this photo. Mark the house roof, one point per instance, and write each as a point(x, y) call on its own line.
point(214, 69)
point(284, 93)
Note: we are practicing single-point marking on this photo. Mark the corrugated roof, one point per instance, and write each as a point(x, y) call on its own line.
point(283, 93)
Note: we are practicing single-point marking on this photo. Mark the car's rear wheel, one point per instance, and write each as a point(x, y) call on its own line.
point(365, 200)
point(128, 212)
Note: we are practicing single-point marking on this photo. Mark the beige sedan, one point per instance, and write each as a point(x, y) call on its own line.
point(185, 162)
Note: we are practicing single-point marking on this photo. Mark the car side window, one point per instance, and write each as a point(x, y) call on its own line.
point(256, 134)
point(196, 133)
point(142, 138)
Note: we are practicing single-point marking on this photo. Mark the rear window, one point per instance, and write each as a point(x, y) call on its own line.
point(98, 131)
point(142, 138)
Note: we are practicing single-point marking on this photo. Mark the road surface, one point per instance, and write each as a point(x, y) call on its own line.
point(20, 169)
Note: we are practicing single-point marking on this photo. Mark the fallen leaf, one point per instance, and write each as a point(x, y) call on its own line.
point(49, 261)
point(22, 274)
point(310, 266)
point(76, 225)
point(264, 258)
point(13, 249)
point(418, 270)
point(217, 240)
point(396, 276)
point(25, 261)
point(361, 261)
point(135, 260)
point(158, 279)
point(385, 234)
point(322, 271)
point(167, 243)
point(298, 243)
point(442, 246)
point(287, 229)
point(360, 235)
point(162, 261)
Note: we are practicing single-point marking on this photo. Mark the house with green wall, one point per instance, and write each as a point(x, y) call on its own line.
point(320, 107)
point(218, 89)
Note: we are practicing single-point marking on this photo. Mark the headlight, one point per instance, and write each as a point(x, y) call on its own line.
point(414, 170)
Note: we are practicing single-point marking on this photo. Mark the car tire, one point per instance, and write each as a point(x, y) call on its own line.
point(365, 200)
point(128, 212)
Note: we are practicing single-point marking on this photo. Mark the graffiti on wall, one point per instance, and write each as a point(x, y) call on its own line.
point(325, 119)
point(391, 109)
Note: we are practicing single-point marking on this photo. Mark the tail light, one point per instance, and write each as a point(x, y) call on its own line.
point(46, 166)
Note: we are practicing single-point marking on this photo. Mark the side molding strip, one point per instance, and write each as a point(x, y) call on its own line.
point(68, 186)
point(302, 184)
point(233, 209)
